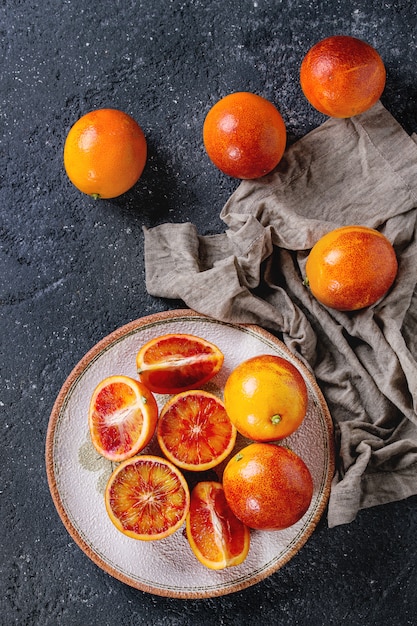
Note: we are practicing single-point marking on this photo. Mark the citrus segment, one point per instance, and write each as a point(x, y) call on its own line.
point(174, 363)
point(351, 267)
point(266, 398)
point(194, 430)
point(122, 417)
point(217, 538)
point(147, 498)
point(267, 486)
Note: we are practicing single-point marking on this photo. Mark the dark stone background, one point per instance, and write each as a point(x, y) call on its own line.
point(72, 271)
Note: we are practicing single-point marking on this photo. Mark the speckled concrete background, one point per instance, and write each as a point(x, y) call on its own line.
point(72, 271)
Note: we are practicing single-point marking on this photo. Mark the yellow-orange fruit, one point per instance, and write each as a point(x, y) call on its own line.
point(351, 267)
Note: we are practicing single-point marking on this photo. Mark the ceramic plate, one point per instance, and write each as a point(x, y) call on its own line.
point(77, 475)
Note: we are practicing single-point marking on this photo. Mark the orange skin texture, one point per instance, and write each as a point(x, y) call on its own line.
point(244, 135)
point(267, 486)
point(217, 538)
point(351, 268)
point(266, 398)
point(105, 153)
point(342, 76)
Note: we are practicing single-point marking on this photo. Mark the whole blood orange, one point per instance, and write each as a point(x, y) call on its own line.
point(217, 538)
point(266, 398)
point(351, 267)
point(174, 363)
point(147, 498)
point(105, 153)
point(342, 76)
point(122, 417)
point(267, 486)
point(194, 430)
point(244, 135)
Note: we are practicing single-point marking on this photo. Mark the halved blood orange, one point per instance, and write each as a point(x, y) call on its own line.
point(147, 498)
point(122, 417)
point(174, 363)
point(194, 430)
point(216, 536)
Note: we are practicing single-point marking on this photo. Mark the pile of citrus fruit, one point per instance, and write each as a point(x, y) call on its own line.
point(263, 485)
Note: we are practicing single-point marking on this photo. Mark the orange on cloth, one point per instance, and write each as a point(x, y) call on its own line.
point(359, 170)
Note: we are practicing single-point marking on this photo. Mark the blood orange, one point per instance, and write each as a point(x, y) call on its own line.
point(194, 430)
point(342, 76)
point(244, 135)
point(268, 487)
point(122, 417)
point(217, 538)
point(351, 267)
point(174, 363)
point(147, 498)
point(266, 398)
point(105, 153)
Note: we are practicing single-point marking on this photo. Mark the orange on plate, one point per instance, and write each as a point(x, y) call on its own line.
point(147, 498)
point(194, 430)
point(217, 538)
point(351, 267)
point(244, 135)
point(122, 417)
point(342, 76)
point(174, 363)
point(266, 398)
point(267, 486)
point(105, 153)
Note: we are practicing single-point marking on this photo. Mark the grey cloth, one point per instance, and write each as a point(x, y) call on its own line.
point(361, 170)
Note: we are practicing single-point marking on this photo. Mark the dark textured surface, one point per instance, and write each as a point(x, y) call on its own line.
point(72, 271)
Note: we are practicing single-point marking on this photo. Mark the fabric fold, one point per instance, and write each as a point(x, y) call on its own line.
point(361, 170)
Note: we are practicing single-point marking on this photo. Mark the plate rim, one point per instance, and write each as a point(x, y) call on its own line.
point(59, 402)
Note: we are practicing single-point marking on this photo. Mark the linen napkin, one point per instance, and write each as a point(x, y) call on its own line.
point(361, 170)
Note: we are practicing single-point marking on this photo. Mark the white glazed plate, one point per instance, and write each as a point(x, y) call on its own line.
point(77, 475)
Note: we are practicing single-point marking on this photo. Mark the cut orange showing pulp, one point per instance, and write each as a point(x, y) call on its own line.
point(147, 498)
point(122, 417)
point(174, 363)
point(216, 536)
point(194, 430)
